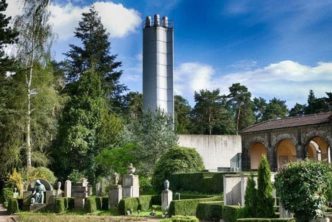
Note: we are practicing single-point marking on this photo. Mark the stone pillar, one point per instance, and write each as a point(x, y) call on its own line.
point(67, 190)
point(130, 186)
point(114, 195)
point(300, 152)
point(272, 158)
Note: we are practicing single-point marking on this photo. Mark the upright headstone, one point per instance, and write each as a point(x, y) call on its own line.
point(80, 192)
point(130, 183)
point(115, 192)
point(58, 190)
point(166, 196)
point(67, 190)
point(16, 194)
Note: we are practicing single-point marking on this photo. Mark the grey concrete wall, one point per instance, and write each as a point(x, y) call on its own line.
point(216, 150)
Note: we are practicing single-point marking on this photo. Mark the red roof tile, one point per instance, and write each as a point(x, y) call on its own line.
point(312, 119)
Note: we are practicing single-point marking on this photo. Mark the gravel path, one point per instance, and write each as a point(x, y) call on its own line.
point(4, 217)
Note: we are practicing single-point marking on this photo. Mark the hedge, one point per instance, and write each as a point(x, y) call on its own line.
point(133, 204)
point(99, 203)
point(60, 206)
point(104, 202)
point(90, 205)
point(180, 219)
point(267, 219)
point(69, 203)
point(232, 213)
point(210, 211)
point(12, 206)
point(188, 207)
point(203, 182)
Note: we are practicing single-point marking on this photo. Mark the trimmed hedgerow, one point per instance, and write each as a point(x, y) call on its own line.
point(231, 213)
point(126, 204)
point(90, 205)
point(99, 203)
point(211, 211)
point(104, 203)
point(203, 182)
point(12, 206)
point(180, 219)
point(266, 220)
point(133, 204)
point(188, 207)
point(59, 205)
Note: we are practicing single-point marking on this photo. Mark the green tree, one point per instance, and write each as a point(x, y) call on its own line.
point(275, 109)
point(7, 36)
point(259, 108)
point(33, 50)
point(250, 197)
point(297, 110)
point(86, 127)
point(182, 115)
point(239, 98)
point(265, 203)
point(153, 135)
point(317, 105)
point(210, 114)
point(116, 159)
point(94, 52)
point(302, 186)
point(8, 155)
point(176, 160)
point(133, 105)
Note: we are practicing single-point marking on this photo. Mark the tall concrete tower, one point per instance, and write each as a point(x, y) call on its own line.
point(158, 65)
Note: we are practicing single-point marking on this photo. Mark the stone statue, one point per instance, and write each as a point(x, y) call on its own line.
point(116, 178)
point(59, 191)
point(166, 184)
point(131, 169)
point(38, 193)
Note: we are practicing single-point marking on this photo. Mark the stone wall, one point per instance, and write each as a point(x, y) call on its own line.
point(217, 151)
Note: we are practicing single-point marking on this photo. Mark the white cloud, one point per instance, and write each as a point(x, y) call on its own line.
point(14, 8)
point(287, 80)
point(117, 19)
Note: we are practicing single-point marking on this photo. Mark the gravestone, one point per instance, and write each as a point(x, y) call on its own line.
point(130, 183)
point(79, 193)
point(16, 194)
point(67, 190)
point(166, 196)
point(115, 192)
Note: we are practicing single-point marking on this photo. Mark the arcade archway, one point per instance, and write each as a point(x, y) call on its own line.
point(286, 152)
point(256, 151)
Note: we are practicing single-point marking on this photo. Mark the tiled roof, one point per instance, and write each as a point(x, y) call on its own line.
point(312, 119)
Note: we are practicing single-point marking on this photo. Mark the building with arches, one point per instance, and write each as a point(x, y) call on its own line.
point(286, 140)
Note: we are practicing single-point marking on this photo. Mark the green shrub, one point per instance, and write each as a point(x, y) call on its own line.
point(266, 220)
point(265, 201)
point(12, 206)
point(99, 203)
point(90, 205)
point(60, 205)
point(250, 198)
point(144, 202)
point(302, 187)
point(188, 207)
point(211, 211)
point(203, 182)
point(42, 173)
point(104, 201)
point(176, 160)
point(133, 204)
point(180, 219)
point(232, 213)
point(126, 204)
point(7, 193)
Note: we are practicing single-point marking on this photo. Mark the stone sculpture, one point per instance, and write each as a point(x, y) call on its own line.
point(38, 193)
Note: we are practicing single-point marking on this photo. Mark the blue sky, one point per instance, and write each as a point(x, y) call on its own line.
point(276, 48)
